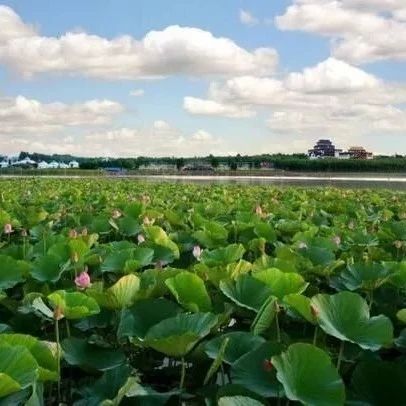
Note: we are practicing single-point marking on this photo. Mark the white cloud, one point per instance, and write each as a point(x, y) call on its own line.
point(248, 18)
point(331, 75)
point(361, 31)
point(174, 50)
point(137, 92)
point(21, 115)
point(202, 136)
point(161, 125)
point(204, 107)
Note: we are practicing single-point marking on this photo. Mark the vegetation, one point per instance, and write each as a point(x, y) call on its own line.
point(117, 292)
point(293, 162)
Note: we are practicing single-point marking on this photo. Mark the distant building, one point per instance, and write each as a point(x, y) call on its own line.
point(53, 165)
point(4, 164)
point(324, 148)
point(73, 164)
point(26, 162)
point(42, 165)
point(359, 153)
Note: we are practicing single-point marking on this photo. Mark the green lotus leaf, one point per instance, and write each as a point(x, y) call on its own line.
point(89, 356)
point(40, 350)
point(246, 291)
point(380, 383)
point(74, 305)
point(138, 319)
point(301, 305)
point(345, 316)
point(212, 235)
point(281, 283)
point(177, 335)
point(401, 315)
point(18, 369)
point(12, 271)
point(190, 291)
point(223, 256)
point(125, 290)
point(133, 258)
point(308, 376)
point(266, 231)
point(363, 276)
point(265, 317)
point(238, 401)
point(159, 237)
point(48, 268)
point(252, 372)
point(239, 343)
point(129, 226)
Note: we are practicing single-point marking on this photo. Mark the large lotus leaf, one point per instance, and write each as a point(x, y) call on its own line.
point(301, 305)
point(223, 256)
point(239, 343)
point(74, 305)
point(308, 376)
point(41, 351)
point(318, 255)
point(89, 356)
point(266, 231)
point(238, 401)
point(281, 283)
point(265, 316)
point(380, 383)
point(133, 258)
point(47, 268)
point(138, 319)
point(129, 226)
point(18, 369)
point(159, 237)
point(252, 372)
point(363, 276)
point(134, 209)
point(190, 291)
point(246, 291)
point(397, 271)
point(12, 271)
point(177, 335)
point(345, 316)
point(125, 290)
point(212, 235)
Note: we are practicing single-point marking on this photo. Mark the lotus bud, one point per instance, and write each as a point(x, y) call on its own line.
point(84, 232)
point(258, 210)
point(336, 240)
point(197, 252)
point(8, 228)
point(351, 225)
point(140, 238)
point(83, 280)
point(116, 214)
point(267, 365)
point(24, 233)
point(73, 233)
point(58, 313)
point(147, 222)
point(302, 245)
point(314, 311)
point(398, 244)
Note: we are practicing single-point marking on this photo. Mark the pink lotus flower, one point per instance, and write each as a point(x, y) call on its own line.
point(8, 228)
point(140, 238)
point(82, 281)
point(258, 210)
point(84, 232)
point(398, 244)
point(147, 222)
point(197, 252)
point(116, 214)
point(336, 240)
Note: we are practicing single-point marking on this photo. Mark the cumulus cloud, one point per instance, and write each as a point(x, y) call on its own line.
point(173, 50)
point(248, 18)
point(137, 92)
point(362, 31)
point(204, 107)
point(21, 115)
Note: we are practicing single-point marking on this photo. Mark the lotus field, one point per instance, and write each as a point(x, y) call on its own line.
point(115, 292)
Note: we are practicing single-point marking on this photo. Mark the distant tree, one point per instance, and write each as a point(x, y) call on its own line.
point(180, 163)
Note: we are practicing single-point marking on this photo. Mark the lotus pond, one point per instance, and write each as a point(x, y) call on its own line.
point(116, 292)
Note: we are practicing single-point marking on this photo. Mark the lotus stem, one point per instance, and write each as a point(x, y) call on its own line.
point(316, 330)
point(182, 374)
point(278, 330)
point(340, 355)
point(67, 327)
point(58, 359)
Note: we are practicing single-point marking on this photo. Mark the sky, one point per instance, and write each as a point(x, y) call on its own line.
point(125, 78)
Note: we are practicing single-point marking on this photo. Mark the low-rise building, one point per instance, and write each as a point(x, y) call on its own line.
point(323, 148)
point(359, 153)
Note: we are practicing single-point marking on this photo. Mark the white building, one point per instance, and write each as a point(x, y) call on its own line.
point(74, 164)
point(25, 161)
point(53, 165)
point(62, 165)
point(4, 164)
point(42, 165)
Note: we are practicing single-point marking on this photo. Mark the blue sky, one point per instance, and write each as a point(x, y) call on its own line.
point(212, 76)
